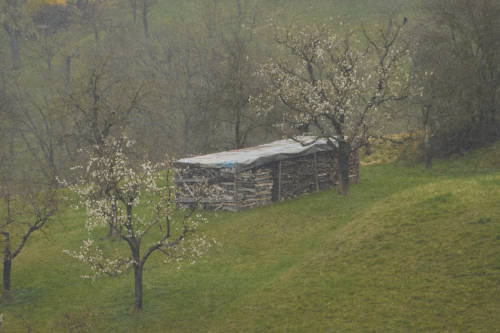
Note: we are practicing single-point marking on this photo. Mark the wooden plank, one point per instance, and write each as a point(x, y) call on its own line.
point(316, 182)
point(279, 180)
point(236, 186)
point(191, 200)
point(190, 180)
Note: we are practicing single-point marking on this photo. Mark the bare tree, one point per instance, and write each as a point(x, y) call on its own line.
point(133, 7)
point(240, 53)
point(466, 32)
point(17, 25)
point(102, 101)
point(430, 92)
point(50, 23)
point(41, 125)
point(92, 13)
point(28, 208)
point(147, 6)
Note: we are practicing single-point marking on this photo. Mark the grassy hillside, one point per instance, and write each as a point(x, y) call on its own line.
point(408, 250)
point(306, 10)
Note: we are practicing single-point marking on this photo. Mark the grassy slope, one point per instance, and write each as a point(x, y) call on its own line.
point(407, 250)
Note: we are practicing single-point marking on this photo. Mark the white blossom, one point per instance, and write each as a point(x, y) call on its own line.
point(133, 201)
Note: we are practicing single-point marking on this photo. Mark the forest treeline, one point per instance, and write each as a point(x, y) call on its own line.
point(75, 72)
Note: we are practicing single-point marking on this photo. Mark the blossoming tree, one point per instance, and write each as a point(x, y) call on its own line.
point(334, 86)
point(138, 202)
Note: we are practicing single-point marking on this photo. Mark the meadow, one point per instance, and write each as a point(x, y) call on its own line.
point(407, 250)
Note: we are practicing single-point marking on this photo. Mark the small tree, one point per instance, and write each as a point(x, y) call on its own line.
point(26, 202)
point(25, 212)
point(335, 85)
point(102, 101)
point(139, 203)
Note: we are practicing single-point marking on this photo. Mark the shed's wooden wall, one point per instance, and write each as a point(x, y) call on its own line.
point(210, 188)
point(231, 189)
point(303, 175)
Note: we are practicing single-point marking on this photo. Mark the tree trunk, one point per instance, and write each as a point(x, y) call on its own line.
point(7, 269)
point(134, 11)
point(94, 122)
point(427, 139)
point(54, 173)
point(96, 33)
point(145, 19)
point(138, 286)
point(489, 128)
point(67, 70)
point(238, 4)
point(343, 163)
point(14, 48)
point(4, 83)
point(7, 199)
point(427, 146)
point(185, 133)
point(237, 131)
point(95, 27)
point(366, 142)
point(113, 222)
point(113, 231)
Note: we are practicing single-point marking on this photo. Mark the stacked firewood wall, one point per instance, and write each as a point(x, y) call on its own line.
point(232, 189)
point(217, 187)
point(296, 176)
point(254, 187)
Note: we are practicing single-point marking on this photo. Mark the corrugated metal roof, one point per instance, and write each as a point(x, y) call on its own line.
point(249, 158)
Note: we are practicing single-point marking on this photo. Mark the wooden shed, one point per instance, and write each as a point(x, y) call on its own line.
point(257, 176)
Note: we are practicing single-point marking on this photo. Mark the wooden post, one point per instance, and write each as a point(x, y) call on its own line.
point(316, 180)
point(279, 181)
point(236, 186)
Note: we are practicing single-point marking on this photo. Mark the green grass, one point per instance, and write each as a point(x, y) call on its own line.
point(306, 11)
point(408, 250)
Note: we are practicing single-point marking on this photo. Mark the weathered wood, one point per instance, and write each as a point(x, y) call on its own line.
point(316, 171)
point(279, 180)
point(189, 180)
point(236, 186)
point(231, 189)
point(192, 200)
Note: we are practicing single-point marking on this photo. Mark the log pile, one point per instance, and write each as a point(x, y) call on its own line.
point(232, 189)
point(303, 175)
point(254, 187)
point(209, 188)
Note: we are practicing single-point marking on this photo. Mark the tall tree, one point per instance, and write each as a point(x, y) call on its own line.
point(102, 101)
point(147, 6)
point(468, 32)
point(240, 53)
point(27, 203)
point(17, 24)
point(93, 13)
point(335, 85)
point(40, 125)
